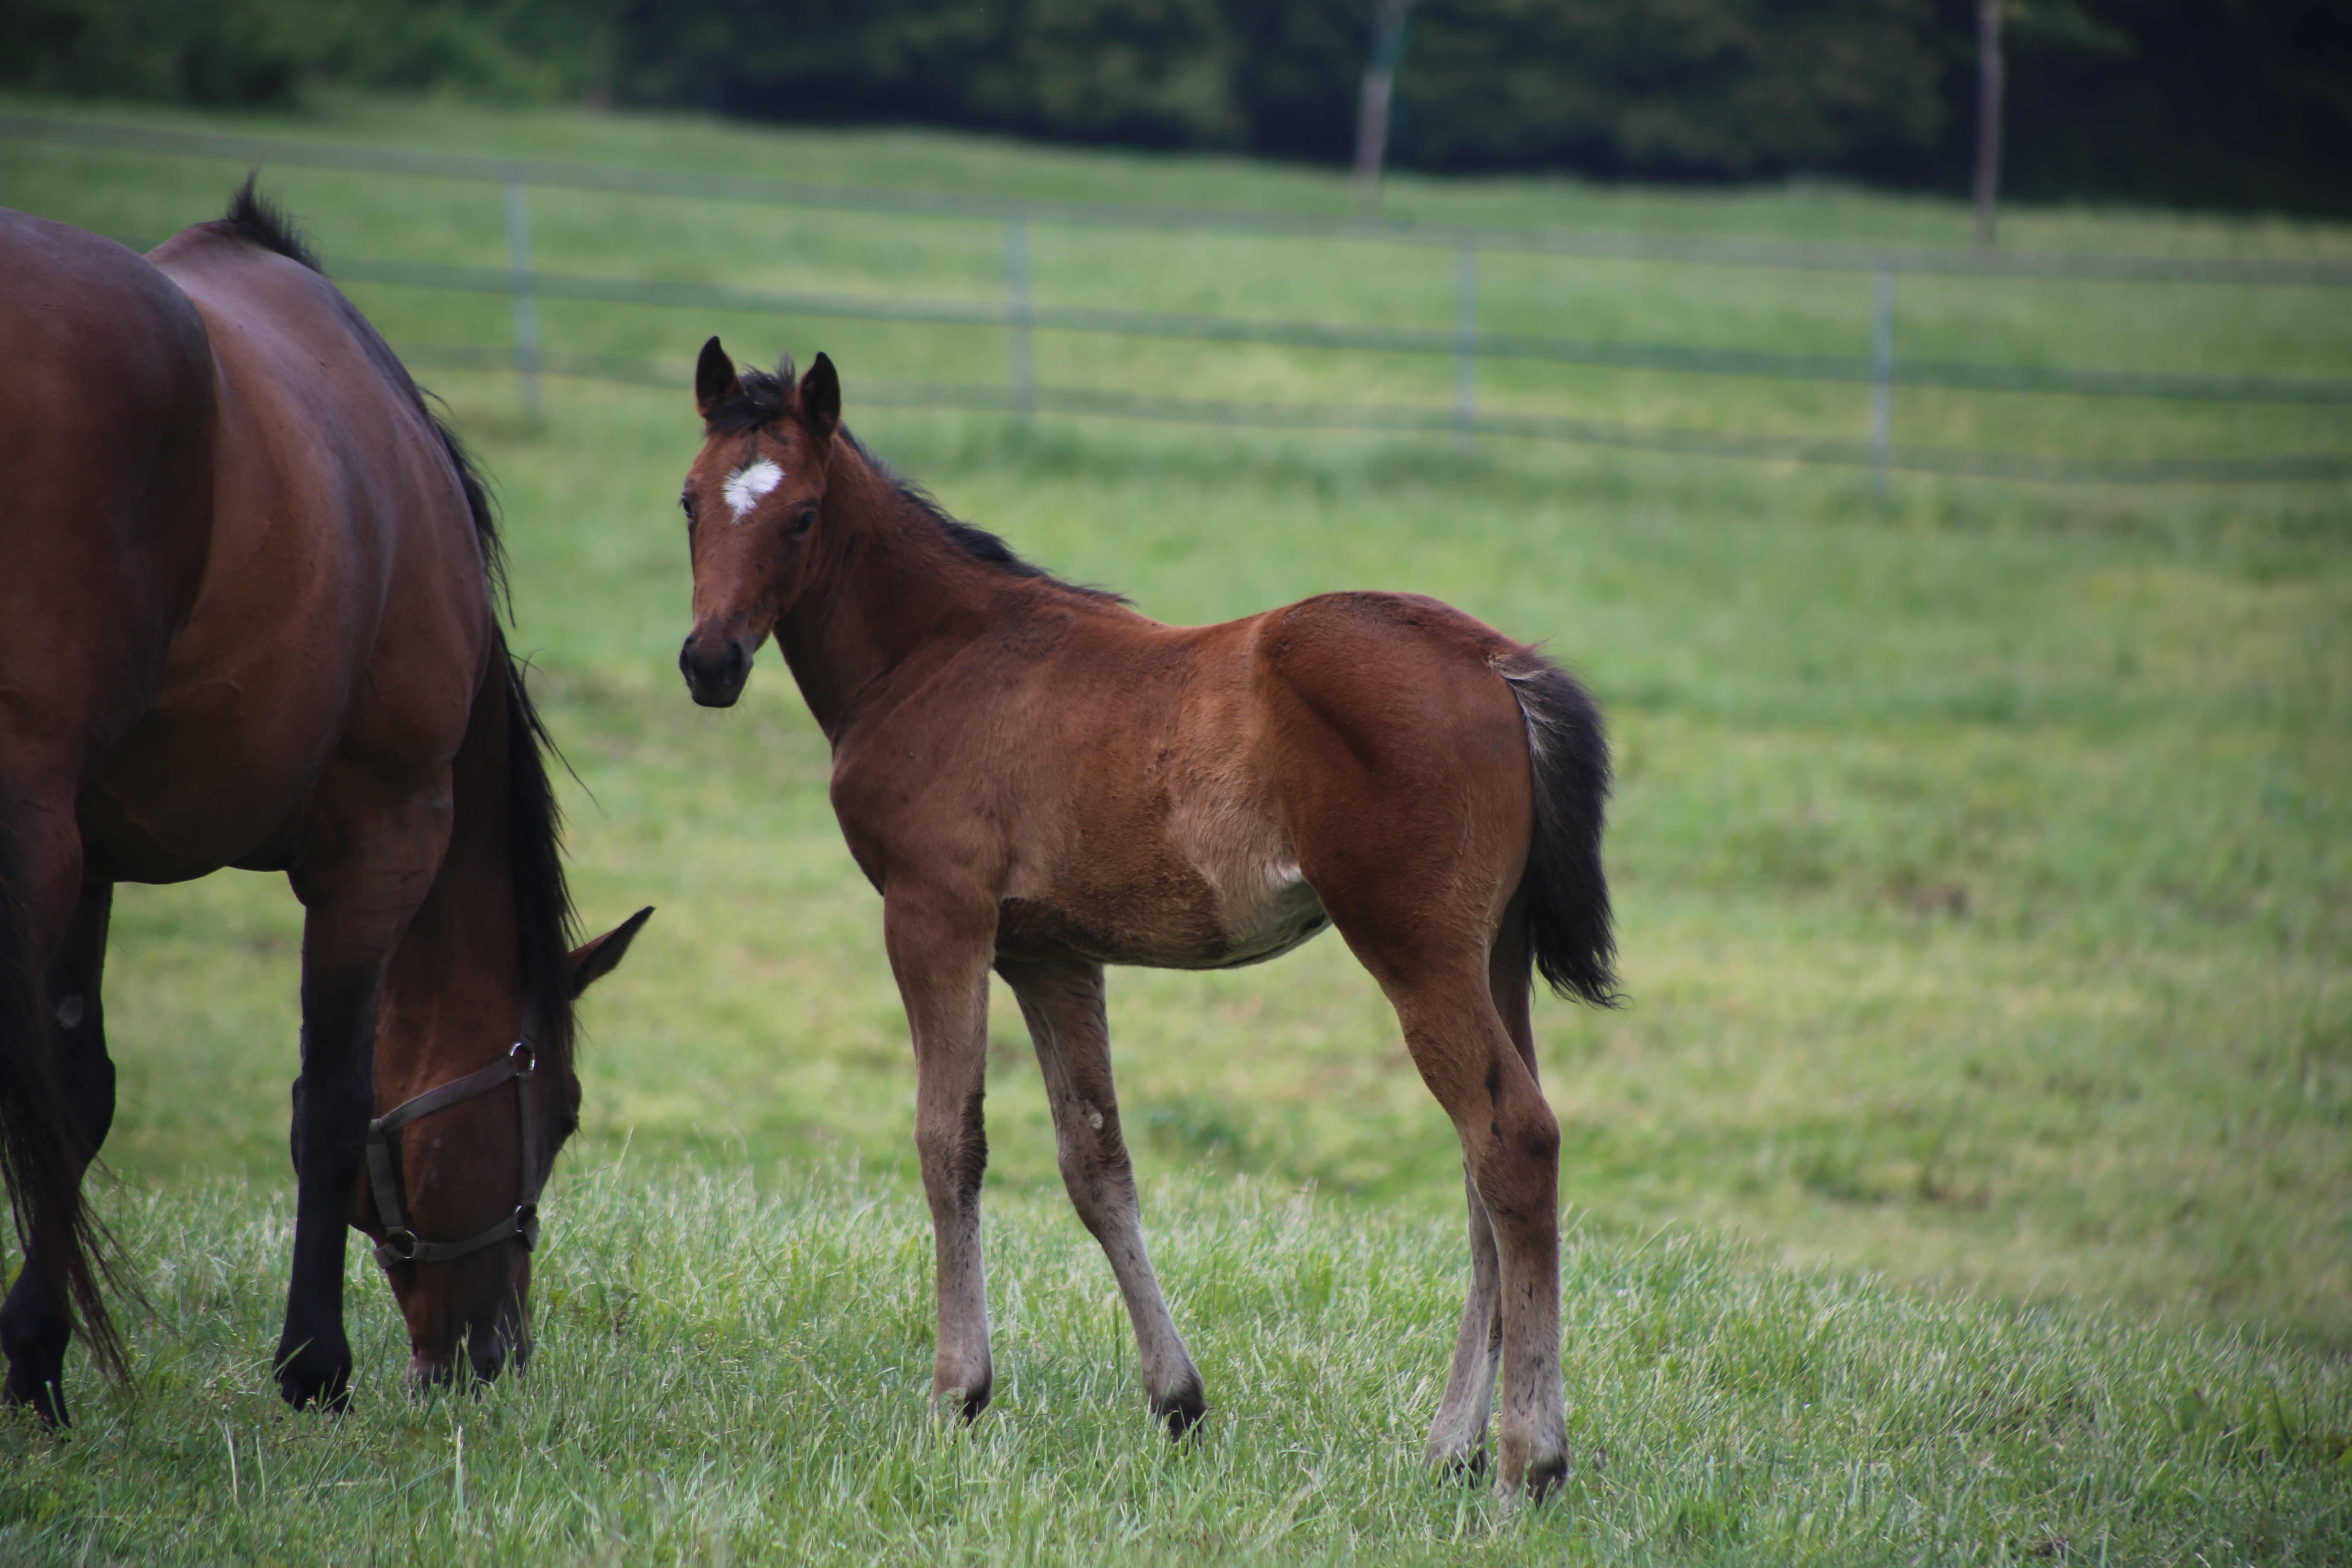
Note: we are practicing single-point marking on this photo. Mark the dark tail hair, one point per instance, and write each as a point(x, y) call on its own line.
point(1568, 921)
point(38, 1138)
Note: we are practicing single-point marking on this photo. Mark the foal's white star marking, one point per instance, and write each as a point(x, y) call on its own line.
point(746, 485)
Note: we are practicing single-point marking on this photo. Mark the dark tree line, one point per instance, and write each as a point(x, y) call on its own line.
point(2232, 104)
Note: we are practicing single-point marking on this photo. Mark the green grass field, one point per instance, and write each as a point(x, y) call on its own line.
point(1970, 1176)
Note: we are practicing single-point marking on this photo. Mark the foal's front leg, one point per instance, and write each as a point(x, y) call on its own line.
point(940, 952)
point(1062, 1003)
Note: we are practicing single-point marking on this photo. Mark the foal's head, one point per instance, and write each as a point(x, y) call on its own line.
point(751, 502)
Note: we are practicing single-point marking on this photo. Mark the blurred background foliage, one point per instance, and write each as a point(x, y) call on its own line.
point(2232, 104)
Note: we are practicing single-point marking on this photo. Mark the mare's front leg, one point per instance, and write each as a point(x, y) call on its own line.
point(1062, 1003)
point(380, 849)
point(939, 947)
point(34, 1330)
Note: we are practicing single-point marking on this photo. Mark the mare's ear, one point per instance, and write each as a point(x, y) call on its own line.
point(821, 400)
point(591, 961)
point(714, 378)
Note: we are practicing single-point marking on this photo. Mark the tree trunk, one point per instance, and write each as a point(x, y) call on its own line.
point(1987, 118)
point(1372, 110)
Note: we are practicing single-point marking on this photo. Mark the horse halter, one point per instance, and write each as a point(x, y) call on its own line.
point(401, 1245)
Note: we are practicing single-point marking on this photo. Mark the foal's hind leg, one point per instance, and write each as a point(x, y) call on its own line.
point(1510, 1143)
point(34, 1330)
point(1458, 1435)
point(1064, 1005)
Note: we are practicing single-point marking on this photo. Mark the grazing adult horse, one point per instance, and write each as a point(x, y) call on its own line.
point(1040, 781)
point(246, 619)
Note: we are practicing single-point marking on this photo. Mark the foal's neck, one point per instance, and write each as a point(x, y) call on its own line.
point(887, 589)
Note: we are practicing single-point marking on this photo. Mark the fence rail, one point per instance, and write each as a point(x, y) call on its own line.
point(1928, 260)
point(1463, 341)
point(1020, 316)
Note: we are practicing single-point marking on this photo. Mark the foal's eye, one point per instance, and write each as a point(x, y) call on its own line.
point(803, 522)
point(686, 505)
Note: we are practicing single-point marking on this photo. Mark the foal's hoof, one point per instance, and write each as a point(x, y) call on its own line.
point(967, 1397)
point(1182, 1408)
point(1466, 1468)
point(1537, 1481)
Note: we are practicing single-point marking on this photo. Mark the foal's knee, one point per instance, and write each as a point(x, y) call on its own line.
point(953, 1148)
point(1514, 1162)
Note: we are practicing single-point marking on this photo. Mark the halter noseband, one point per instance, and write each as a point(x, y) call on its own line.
point(400, 1244)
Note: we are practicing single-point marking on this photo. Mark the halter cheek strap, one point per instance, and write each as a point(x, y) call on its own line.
point(401, 1244)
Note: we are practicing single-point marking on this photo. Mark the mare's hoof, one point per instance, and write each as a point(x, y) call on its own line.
point(305, 1380)
point(45, 1399)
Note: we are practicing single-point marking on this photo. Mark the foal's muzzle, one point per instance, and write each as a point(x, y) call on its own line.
point(714, 670)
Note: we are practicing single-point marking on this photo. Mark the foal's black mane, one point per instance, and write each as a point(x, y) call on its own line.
point(543, 914)
point(763, 399)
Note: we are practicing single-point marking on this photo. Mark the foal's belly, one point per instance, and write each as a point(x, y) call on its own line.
point(1159, 927)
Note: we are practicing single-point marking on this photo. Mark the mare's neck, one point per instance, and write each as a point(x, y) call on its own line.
point(887, 591)
point(455, 994)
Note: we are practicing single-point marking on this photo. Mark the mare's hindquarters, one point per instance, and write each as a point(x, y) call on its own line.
point(1451, 830)
point(106, 419)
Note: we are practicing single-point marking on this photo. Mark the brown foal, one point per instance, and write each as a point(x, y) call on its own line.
point(248, 618)
point(1040, 781)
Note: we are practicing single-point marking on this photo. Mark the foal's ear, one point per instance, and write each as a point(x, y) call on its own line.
point(714, 378)
point(591, 961)
point(820, 399)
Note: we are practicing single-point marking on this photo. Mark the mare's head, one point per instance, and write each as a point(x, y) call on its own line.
point(475, 1095)
point(474, 1086)
point(752, 499)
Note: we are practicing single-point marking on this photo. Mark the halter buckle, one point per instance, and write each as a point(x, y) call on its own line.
point(399, 1246)
point(525, 1056)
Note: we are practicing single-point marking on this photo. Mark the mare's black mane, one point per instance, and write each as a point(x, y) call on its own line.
point(761, 399)
point(269, 226)
point(544, 920)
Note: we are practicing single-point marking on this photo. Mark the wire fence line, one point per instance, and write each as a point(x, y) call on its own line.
point(556, 175)
point(1408, 418)
point(1020, 316)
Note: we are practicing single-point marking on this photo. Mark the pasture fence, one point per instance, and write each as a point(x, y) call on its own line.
point(1020, 316)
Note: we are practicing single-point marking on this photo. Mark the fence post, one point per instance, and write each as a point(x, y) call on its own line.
point(1882, 384)
point(526, 310)
point(1465, 348)
point(1017, 286)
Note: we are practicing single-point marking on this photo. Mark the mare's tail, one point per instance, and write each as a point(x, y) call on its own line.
point(38, 1139)
point(1569, 923)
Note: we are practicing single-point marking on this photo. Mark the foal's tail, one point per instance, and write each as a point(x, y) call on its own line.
point(37, 1139)
point(1569, 923)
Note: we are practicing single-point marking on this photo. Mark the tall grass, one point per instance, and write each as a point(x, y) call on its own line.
point(731, 1368)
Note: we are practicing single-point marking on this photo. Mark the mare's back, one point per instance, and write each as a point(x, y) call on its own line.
point(320, 424)
point(346, 598)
